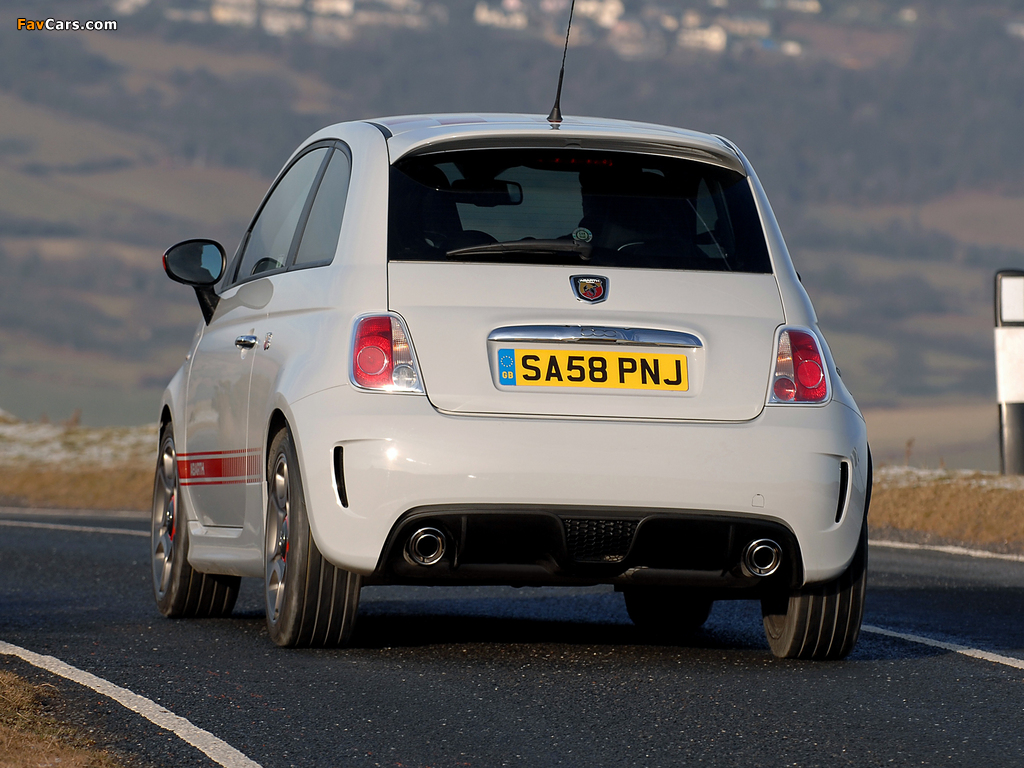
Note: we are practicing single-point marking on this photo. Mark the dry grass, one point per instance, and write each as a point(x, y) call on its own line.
point(982, 509)
point(28, 737)
point(72, 467)
point(128, 487)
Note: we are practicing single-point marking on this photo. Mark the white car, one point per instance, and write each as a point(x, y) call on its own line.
point(489, 349)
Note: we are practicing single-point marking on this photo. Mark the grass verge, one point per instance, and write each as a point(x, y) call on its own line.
point(118, 487)
point(68, 466)
point(981, 509)
point(31, 737)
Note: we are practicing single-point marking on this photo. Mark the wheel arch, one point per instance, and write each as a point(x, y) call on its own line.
point(275, 424)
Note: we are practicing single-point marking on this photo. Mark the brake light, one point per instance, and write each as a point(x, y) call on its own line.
point(382, 357)
point(799, 369)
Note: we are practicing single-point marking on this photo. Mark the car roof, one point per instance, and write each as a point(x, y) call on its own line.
point(413, 134)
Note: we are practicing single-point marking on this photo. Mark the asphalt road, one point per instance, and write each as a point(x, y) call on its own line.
point(498, 676)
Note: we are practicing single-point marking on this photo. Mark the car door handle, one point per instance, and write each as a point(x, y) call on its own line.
point(245, 342)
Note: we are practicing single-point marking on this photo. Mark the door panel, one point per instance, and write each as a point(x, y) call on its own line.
point(223, 465)
point(216, 464)
point(297, 334)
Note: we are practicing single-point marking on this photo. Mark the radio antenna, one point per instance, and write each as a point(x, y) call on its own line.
point(556, 111)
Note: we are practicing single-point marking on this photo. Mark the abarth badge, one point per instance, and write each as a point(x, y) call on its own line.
point(589, 288)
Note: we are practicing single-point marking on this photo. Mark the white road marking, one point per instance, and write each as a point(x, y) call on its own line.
point(949, 550)
point(80, 528)
point(975, 653)
point(217, 750)
point(124, 514)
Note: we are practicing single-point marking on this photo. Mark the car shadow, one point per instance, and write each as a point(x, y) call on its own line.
point(988, 618)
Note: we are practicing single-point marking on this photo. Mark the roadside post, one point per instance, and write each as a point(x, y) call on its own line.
point(1010, 369)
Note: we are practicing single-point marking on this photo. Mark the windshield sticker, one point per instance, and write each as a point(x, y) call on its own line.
point(582, 235)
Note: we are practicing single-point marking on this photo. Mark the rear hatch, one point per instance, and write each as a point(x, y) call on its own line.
point(583, 283)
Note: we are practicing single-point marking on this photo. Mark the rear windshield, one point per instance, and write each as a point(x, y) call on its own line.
point(573, 206)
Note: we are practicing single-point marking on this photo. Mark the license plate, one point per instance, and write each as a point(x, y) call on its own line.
point(604, 370)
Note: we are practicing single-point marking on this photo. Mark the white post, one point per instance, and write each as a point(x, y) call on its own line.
point(1010, 369)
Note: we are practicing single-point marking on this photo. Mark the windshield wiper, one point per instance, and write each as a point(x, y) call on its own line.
point(524, 246)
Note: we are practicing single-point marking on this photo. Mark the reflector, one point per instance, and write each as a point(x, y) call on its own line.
point(785, 389)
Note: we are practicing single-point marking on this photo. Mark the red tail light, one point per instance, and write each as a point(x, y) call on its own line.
point(382, 357)
point(799, 369)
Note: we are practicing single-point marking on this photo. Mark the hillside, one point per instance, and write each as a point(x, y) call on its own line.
point(888, 141)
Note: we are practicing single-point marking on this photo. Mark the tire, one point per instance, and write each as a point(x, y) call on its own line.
point(821, 622)
point(667, 612)
point(310, 603)
point(180, 590)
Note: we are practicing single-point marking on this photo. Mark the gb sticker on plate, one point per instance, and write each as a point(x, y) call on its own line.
point(507, 366)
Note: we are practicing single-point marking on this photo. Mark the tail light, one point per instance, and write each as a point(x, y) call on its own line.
point(799, 375)
point(382, 357)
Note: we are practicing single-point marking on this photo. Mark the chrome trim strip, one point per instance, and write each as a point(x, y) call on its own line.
point(594, 334)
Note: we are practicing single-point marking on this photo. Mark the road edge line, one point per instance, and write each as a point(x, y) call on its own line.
point(974, 653)
point(947, 549)
point(68, 527)
point(216, 749)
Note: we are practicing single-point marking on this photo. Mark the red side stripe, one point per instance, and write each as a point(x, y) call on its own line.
point(220, 467)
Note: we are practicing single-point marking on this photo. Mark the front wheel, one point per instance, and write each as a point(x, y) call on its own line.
point(180, 591)
point(309, 601)
point(670, 613)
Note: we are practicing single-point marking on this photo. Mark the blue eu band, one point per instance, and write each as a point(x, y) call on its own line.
point(507, 366)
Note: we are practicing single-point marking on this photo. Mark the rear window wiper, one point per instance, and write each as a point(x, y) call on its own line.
point(523, 246)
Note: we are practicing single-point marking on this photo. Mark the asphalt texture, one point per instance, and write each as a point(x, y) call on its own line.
point(521, 677)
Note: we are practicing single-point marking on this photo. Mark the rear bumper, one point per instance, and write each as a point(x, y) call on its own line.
point(562, 545)
point(403, 458)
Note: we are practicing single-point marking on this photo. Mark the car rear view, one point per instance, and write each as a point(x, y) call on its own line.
point(487, 349)
point(620, 392)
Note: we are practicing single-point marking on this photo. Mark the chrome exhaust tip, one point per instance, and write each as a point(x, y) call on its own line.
point(426, 547)
point(762, 557)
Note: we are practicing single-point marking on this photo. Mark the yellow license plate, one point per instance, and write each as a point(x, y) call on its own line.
point(606, 370)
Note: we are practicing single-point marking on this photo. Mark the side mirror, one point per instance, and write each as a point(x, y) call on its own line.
point(199, 263)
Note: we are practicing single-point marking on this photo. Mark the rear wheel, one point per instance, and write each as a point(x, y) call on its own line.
point(180, 590)
point(309, 601)
point(667, 612)
point(820, 622)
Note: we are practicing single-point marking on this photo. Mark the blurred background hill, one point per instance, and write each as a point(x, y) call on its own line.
point(886, 134)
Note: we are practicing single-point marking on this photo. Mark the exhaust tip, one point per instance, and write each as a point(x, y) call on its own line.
point(762, 557)
point(426, 547)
